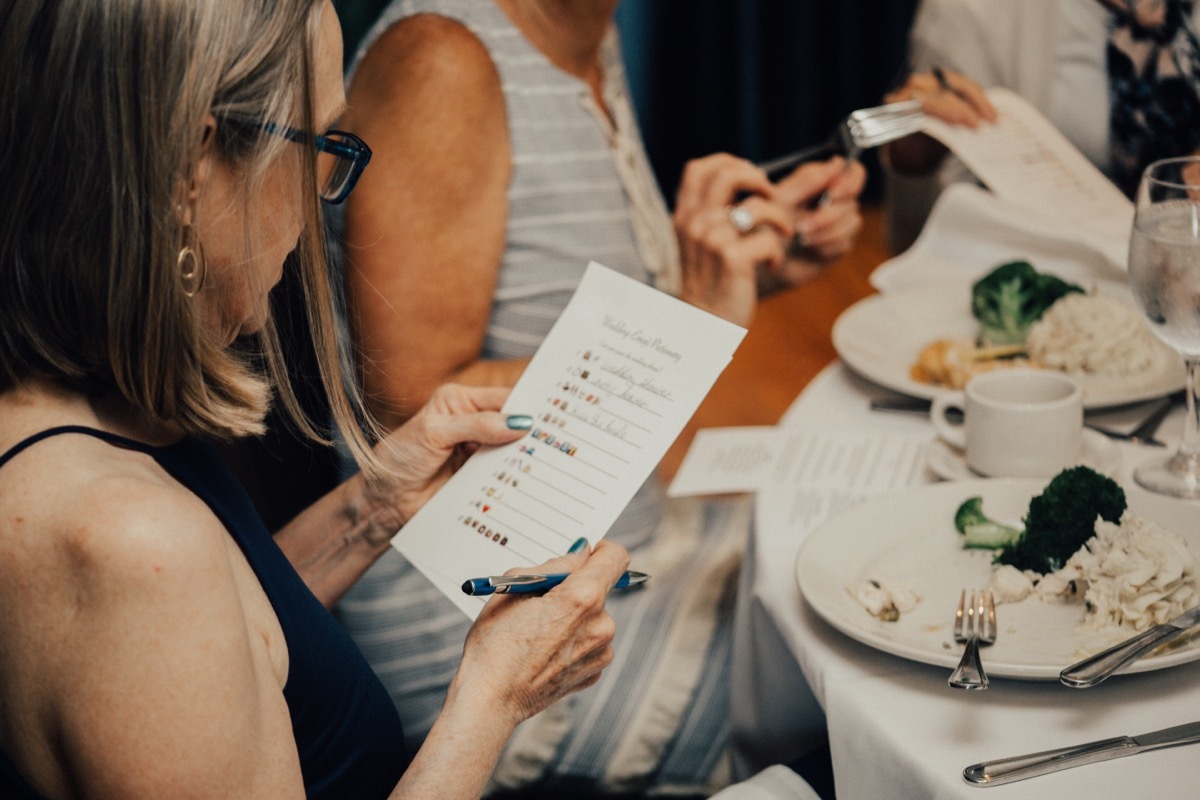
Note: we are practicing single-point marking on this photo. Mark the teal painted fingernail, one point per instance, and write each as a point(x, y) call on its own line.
point(519, 422)
point(579, 545)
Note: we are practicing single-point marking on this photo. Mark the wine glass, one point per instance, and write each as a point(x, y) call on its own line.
point(1164, 274)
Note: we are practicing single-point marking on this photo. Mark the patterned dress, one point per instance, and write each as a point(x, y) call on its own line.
point(581, 189)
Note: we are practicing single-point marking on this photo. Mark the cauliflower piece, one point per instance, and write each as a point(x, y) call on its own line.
point(1009, 584)
point(882, 601)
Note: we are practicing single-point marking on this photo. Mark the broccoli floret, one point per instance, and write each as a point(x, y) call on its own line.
point(1012, 297)
point(978, 530)
point(1063, 517)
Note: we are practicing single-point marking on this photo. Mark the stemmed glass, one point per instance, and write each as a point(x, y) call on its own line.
point(1164, 274)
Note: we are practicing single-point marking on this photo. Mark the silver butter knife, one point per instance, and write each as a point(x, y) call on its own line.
point(1007, 770)
point(1094, 669)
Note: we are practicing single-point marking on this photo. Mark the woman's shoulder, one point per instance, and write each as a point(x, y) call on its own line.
point(93, 534)
point(113, 577)
point(428, 96)
point(79, 502)
point(429, 50)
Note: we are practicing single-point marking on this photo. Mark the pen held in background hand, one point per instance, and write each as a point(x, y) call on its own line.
point(945, 85)
point(530, 584)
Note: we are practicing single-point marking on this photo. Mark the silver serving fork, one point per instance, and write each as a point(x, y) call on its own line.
point(861, 130)
point(974, 625)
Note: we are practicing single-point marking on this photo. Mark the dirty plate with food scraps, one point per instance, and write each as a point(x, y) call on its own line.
point(880, 337)
point(907, 539)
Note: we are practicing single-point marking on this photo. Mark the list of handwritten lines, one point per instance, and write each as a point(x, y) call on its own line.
point(607, 389)
point(513, 529)
point(559, 489)
point(593, 422)
point(1014, 146)
point(545, 485)
point(531, 452)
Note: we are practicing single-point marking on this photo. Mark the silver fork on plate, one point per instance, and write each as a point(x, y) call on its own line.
point(974, 625)
point(860, 130)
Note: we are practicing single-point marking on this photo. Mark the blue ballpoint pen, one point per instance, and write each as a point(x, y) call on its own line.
point(528, 584)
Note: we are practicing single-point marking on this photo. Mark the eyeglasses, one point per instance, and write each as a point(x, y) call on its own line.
point(341, 159)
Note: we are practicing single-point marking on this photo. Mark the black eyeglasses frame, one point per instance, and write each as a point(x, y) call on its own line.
point(341, 144)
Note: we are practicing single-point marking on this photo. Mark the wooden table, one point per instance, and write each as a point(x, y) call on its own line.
point(788, 344)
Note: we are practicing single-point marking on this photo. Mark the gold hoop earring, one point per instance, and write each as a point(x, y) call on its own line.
point(190, 262)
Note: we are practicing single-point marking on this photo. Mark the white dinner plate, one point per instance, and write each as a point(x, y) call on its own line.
point(908, 539)
point(880, 336)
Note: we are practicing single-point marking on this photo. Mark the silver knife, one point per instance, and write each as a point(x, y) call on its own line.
point(1094, 669)
point(1007, 770)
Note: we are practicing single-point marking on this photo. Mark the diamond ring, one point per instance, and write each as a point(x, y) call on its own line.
point(741, 219)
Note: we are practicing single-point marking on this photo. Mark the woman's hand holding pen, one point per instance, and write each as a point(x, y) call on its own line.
point(951, 97)
point(525, 652)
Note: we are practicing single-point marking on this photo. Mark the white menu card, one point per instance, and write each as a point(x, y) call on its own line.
point(610, 388)
point(831, 462)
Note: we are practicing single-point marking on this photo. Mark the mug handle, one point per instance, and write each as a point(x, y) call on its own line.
point(952, 433)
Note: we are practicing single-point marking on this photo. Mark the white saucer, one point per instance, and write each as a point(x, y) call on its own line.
point(948, 462)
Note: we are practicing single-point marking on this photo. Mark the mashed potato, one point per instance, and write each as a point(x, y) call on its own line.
point(1091, 334)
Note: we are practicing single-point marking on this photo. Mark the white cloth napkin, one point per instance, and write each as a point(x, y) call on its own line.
point(951, 245)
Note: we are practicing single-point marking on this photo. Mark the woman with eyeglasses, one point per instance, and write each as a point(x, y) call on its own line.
point(163, 161)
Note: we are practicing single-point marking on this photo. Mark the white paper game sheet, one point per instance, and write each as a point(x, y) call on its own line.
point(1025, 160)
point(829, 462)
point(722, 460)
point(610, 388)
point(823, 472)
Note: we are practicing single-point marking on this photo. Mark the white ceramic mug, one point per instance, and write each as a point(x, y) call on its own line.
point(1016, 422)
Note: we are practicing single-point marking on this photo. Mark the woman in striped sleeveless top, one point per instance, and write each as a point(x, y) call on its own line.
point(508, 157)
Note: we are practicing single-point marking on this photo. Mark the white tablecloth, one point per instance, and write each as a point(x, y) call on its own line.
point(896, 729)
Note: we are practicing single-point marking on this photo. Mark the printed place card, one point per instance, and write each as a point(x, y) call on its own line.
point(610, 388)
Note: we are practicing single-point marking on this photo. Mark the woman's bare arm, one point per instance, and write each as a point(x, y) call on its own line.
point(425, 228)
point(147, 662)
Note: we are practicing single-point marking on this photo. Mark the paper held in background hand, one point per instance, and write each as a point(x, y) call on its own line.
point(610, 388)
point(1028, 162)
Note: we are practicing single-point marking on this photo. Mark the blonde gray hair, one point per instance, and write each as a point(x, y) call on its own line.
point(101, 105)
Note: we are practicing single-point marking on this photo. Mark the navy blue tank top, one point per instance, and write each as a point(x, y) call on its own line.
point(346, 727)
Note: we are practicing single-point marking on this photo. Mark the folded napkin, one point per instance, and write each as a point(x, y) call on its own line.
point(971, 230)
